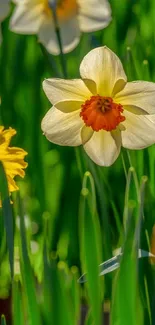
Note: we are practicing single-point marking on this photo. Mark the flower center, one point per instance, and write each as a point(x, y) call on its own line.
point(101, 113)
point(64, 8)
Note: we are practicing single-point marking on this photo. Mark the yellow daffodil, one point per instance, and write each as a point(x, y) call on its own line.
point(11, 157)
point(4, 10)
point(101, 111)
point(35, 17)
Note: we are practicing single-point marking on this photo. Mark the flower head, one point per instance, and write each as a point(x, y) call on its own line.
point(74, 16)
point(11, 157)
point(4, 11)
point(101, 111)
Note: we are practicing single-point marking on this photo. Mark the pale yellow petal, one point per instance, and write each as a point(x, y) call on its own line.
point(104, 147)
point(26, 19)
point(62, 128)
point(94, 14)
point(138, 93)
point(139, 131)
point(69, 31)
point(104, 67)
point(64, 90)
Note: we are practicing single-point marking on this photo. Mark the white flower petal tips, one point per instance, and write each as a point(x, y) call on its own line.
point(73, 17)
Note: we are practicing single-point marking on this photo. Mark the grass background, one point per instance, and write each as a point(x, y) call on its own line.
point(76, 213)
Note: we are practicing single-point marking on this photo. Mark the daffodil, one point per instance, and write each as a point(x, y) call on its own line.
point(101, 111)
point(11, 157)
point(4, 10)
point(74, 16)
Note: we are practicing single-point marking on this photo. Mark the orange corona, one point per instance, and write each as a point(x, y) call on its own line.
point(101, 113)
point(64, 8)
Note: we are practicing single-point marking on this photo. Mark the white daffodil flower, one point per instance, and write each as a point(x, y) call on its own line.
point(101, 111)
point(74, 16)
point(4, 11)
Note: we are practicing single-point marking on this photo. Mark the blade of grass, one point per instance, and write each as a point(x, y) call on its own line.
point(7, 215)
point(27, 275)
point(89, 319)
point(75, 293)
point(56, 307)
point(126, 304)
point(17, 310)
point(90, 242)
point(3, 320)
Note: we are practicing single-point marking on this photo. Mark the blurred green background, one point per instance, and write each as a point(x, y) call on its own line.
point(70, 232)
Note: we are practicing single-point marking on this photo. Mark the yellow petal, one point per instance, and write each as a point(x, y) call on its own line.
point(11, 157)
point(86, 134)
point(5, 136)
point(68, 106)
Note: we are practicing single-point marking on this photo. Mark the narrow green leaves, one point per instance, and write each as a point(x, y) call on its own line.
point(126, 303)
point(56, 303)
point(7, 215)
point(90, 243)
point(27, 276)
point(17, 310)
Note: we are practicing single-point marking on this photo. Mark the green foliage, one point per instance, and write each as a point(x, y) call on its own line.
point(72, 215)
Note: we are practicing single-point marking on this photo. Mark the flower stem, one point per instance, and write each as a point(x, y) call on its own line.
point(49, 61)
point(57, 30)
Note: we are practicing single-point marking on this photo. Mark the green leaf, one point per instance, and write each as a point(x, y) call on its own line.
point(75, 294)
point(56, 305)
point(27, 275)
point(3, 320)
point(126, 302)
point(18, 315)
point(90, 241)
point(7, 215)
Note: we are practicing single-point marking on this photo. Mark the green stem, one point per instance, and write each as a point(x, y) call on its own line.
point(57, 30)
point(52, 66)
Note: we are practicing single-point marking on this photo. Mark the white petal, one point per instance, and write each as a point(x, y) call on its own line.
point(105, 68)
point(104, 147)
point(138, 93)
point(60, 90)
point(4, 9)
point(93, 14)
point(27, 18)
point(62, 128)
point(139, 131)
point(69, 31)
